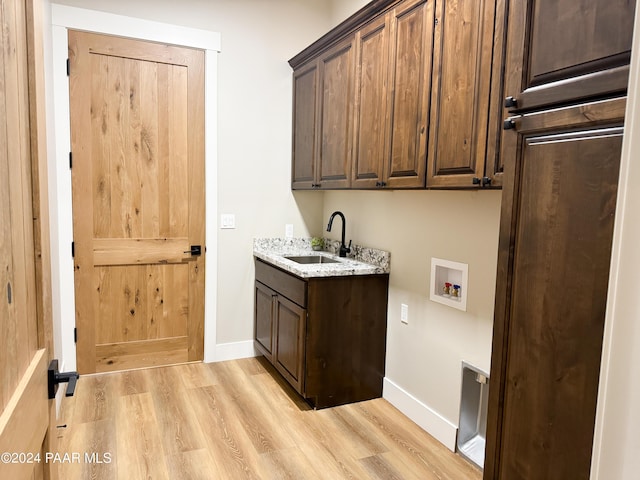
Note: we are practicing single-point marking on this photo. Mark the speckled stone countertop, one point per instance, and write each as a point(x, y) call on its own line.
point(361, 260)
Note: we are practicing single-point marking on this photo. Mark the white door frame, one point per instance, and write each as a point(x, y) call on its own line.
point(65, 18)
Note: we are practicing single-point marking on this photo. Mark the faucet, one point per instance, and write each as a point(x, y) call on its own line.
point(343, 248)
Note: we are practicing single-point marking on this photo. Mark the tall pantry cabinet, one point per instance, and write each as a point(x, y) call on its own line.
point(566, 73)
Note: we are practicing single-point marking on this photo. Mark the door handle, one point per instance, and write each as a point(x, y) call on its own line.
point(196, 251)
point(54, 377)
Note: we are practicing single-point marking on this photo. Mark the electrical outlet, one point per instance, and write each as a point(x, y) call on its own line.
point(288, 230)
point(227, 220)
point(404, 313)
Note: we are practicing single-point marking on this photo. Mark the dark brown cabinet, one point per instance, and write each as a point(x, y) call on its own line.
point(322, 125)
point(409, 88)
point(567, 51)
point(462, 153)
point(417, 111)
point(565, 81)
point(391, 105)
point(326, 336)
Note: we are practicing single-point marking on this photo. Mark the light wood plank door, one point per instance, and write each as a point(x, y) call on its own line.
point(24, 408)
point(137, 137)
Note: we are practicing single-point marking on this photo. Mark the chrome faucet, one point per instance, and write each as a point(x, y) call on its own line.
point(343, 248)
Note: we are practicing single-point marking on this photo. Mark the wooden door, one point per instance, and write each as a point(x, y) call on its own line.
point(462, 60)
point(562, 51)
point(370, 107)
point(410, 84)
point(336, 114)
point(25, 310)
point(305, 99)
point(289, 341)
point(556, 233)
point(137, 138)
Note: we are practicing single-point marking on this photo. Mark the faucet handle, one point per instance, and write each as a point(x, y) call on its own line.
point(344, 250)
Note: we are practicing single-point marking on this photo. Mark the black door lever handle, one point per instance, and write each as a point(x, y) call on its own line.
point(196, 251)
point(54, 377)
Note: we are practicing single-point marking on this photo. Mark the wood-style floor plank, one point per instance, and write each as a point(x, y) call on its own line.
point(239, 420)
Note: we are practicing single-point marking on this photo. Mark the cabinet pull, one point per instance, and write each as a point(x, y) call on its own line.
point(475, 180)
point(510, 102)
point(486, 181)
point(509, 124)
point(381, 184)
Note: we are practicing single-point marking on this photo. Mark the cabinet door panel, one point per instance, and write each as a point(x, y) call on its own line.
point(336, 106)
point(305, 81)
point(568, 50)
point(461, 86)
point(412, 41)
point(290, 332)
point(371, 121)
point(553, 266)
point(263, 334)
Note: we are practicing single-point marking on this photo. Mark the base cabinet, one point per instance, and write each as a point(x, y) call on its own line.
point(325, 336)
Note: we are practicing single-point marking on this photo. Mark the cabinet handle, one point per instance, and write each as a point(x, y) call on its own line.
point(475, 180)
point(486, 181)
point(509, 124)
point(381, 184)
point(510, 102)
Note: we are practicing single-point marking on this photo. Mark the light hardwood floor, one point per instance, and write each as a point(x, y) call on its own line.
point(236, 420)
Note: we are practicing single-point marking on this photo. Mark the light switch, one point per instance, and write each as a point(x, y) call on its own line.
point(404, 313)
point(288, 230)
point(227, 220)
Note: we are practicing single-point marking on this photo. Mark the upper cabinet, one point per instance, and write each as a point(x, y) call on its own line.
point(461, 154)
point(408, 95)
point(408, 101)
point(567, 51)
point(322, 113)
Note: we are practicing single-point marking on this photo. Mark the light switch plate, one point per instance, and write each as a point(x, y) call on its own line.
point(288, 230)
point(227, 220)
point(404, 313)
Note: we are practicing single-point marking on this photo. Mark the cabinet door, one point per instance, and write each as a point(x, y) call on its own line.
point(371, 119)
point(289, 344)
point(305, 93)
point(264, 320)
point(410, 84)
point(461, 87)
point(557, 220)
point(336, 115)
point(563, 51)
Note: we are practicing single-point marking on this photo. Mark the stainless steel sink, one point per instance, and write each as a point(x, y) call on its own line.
point(307, 259)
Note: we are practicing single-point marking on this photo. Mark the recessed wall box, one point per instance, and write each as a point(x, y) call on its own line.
point(449, 283)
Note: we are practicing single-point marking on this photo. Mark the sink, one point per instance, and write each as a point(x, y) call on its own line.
point(307, 259)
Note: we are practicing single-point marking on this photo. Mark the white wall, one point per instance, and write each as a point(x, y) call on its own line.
point(424, 357)
point(617, 443)
point(254, 133)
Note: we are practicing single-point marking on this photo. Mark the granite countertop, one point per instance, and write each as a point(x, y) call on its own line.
point(361, 260)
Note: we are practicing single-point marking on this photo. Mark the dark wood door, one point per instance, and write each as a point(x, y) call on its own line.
point(463, 51)
point(567, 50)
point(305, 93)
point(289, 341)
point(264, 319)
point(555, 245)
point(410, 89)
point(371, 118)
point(336, 114)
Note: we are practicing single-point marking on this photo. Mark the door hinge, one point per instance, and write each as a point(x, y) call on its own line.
point(75, 335)
point(73, 249)
point(68, 67)
point(70, 160)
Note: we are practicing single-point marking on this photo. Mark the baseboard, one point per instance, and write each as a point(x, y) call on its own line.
point(234, 351)
point(426, 418)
